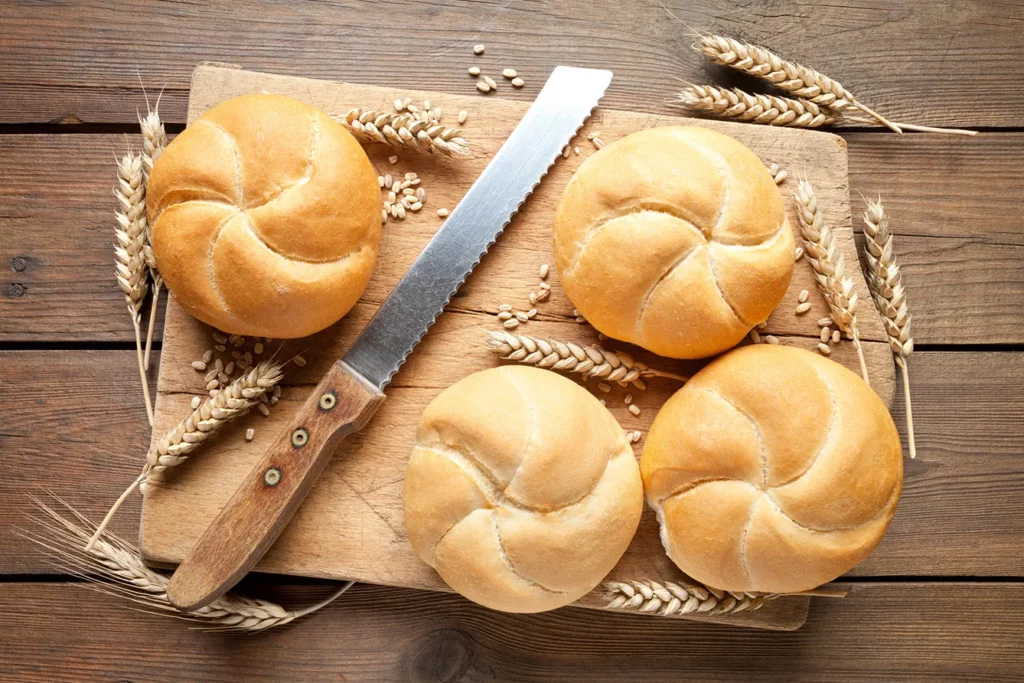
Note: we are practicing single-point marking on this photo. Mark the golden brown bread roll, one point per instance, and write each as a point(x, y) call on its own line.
point(674, 239)
point(772, 470)
point(265, 217)
point(522, 491)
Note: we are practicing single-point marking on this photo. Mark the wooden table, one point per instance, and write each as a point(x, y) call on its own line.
point(939, 599)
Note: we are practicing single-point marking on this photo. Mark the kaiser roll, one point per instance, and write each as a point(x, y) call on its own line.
point(772, 470)
point(674, 239)
point(265, 217)
point(521, 491)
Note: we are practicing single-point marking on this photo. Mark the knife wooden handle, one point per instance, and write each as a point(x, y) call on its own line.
point(262, 506)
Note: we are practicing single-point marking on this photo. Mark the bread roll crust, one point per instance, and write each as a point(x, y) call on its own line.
point(675, 239)
point(772, 470)
point(522, 491)
point(265, 217)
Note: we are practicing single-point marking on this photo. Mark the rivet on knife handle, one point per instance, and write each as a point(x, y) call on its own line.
point(262, 506)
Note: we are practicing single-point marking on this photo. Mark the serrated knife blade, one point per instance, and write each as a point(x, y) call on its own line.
point(561, 108)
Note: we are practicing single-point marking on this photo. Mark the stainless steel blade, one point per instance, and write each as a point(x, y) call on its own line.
point(562, 106)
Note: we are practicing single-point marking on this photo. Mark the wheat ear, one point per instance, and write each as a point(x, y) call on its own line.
point(154, 140)
point(413, 131)
point(886, 285)
point(801, 81)
point(566, 356)
point(176, 445)
point(690, 597)
point(829, 268)
point(115, 567)
point(129, 257)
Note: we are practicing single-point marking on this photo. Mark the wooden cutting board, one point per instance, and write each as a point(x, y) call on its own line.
point(351, 526)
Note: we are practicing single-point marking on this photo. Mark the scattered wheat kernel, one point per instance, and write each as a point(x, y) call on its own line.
point(239, 342)
point(543, 294)
point(380, 181)
point(442, 212)
point(576, 150)
point(505, 307)
point(210, 375)
point(628, 399)
point(462, 117)
point(566, 151)
point(421, 194)
point(401, 211)
point(824, 322)
point(544, 268)
point(233, 338)
point(274, 400)
point(250, 434)
point(258, 348)
point(490, 82)
point(412, 108)
point(803, 308)
point(277, 391)
point(416, 206)
point(591, 136)
point(474, 71)
point(532, 313)
point(825, 334)
point(799, 253)
point(426, 104)
point(599, 143)
point(511, 324)
point(772, 339)
point(604, 386)
point(300, 361)
point(823, 349)
point(762, 325)
point(388, 182)
point(399, 105)
point(602, 336)
point(392, 197)
point(780, 177)
point(208, 355)
point(199, 365)
point(773, 168)
point(483, 87)
point(803, 295)
point(544, 286)
point(220, 338)
point(213, 392)
point(533, 298)
point(518, 82)
point(220, 347)
point(836, 336)
point(509, 73)
point(581, 320)
point(603, 402)
point(212, 384)
point(218, 365)
point(478, 49)
point(195, 402)
point(505, 315)
point(410, 176)
point(393, 159)
point(755, 337)
point(522, 317)
point(634, 408)
point(264, 410)
point(229, 368)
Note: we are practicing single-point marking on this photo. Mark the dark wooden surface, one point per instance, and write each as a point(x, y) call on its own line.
point(940, 597)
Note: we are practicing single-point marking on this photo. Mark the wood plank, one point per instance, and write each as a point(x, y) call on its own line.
point(954, 212)
point(921, 61)
point(74, 423)
point(892, 632)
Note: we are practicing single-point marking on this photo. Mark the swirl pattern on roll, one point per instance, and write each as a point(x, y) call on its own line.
point(772, 470)
point(674, 239)
point(265, 217)
point(522, 491)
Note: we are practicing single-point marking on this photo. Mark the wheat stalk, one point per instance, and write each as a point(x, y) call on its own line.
point(116, 568)
point(154, 140)
point(773, 110)
point(764, 109)
point(801, 81)
point(412, 131)
point(176, 445)
point(886, 285)
point(677, 597)
point(129, 258)
point(566, 356)
point(829, 268)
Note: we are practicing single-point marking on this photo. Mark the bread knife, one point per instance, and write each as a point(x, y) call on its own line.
point(352, 390)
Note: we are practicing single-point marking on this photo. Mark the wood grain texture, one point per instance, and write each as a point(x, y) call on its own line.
point(345, 532)
point(917, 60)
point(74, 423)
point(892, 632)
point(954, 211)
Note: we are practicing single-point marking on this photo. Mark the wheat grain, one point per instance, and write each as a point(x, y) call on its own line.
point(478, 49)
point(115, 567)
point(130, 267)
point(829, 268)
point(565, 356)
point(679, 597)
point(404, 130)
point(764, 109)
point(518, 82)
point(885, 282)
point(801, 81)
